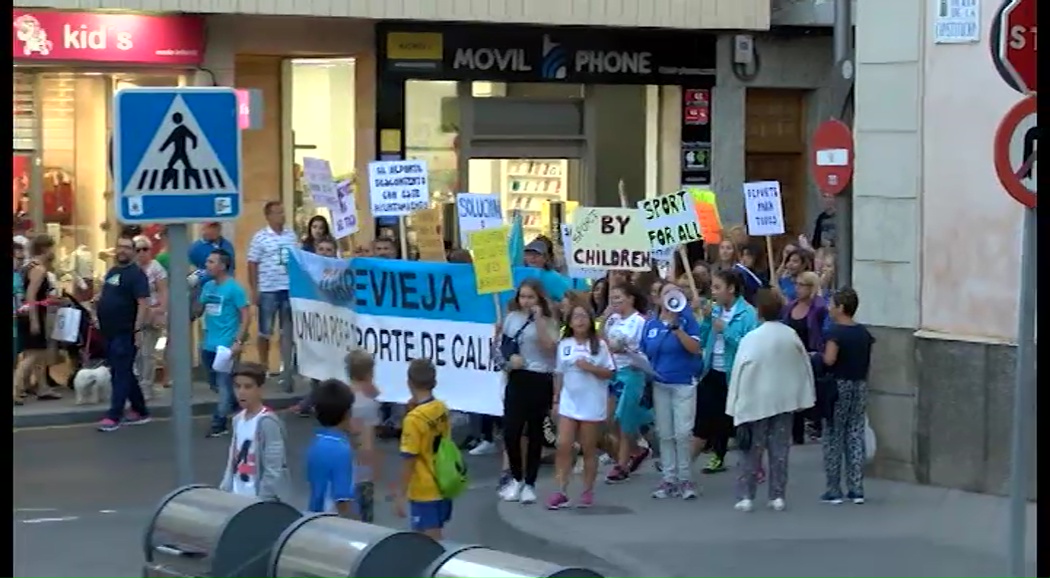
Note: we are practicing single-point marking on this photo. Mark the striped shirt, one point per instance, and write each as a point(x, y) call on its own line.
point(269, 250)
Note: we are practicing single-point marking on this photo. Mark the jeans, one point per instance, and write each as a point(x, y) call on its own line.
point(120, 356)
point(674, 407)
point(276, 307)
point(222, 384)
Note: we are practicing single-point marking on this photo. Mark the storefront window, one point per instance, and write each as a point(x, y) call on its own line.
point(322, 125)
point(432, 134)
point(66, 116)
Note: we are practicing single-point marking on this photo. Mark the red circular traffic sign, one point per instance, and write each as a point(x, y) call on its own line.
point(831, 157)
point(1014, 44)
point(1014, 151)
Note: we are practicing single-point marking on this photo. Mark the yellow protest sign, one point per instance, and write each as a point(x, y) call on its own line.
point(609, 238)
point(492, 272)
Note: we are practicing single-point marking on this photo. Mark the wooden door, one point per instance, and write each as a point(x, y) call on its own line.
point(775, 150)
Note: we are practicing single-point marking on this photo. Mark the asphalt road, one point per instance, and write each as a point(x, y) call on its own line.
point(82, 499)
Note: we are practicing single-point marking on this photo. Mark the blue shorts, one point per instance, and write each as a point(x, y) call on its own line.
point(274, 305)
point(429, 515)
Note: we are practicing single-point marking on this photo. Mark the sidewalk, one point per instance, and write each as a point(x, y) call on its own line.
point(903, 530)
point(64, 412)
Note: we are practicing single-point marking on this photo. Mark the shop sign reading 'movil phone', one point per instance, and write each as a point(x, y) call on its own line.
point(556, 62)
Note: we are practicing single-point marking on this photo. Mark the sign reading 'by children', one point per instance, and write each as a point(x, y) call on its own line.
point(609, 238)
point(398, 188)
point(670, 220)
point(764, 208)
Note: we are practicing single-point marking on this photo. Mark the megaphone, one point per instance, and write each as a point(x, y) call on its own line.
point(675, 301)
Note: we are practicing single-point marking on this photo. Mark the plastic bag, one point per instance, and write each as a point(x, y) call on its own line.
point(869, 440)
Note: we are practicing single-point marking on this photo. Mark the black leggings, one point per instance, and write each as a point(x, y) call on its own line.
point(527, 402)
point(712, 423)
point(488, 427)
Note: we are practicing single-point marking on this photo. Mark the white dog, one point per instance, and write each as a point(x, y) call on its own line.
point(92, 385)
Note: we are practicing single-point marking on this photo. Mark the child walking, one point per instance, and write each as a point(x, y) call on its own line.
point(256, 465)
point(330, 457)
point(360, 366)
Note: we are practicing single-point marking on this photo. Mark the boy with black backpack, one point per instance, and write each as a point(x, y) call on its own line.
point(433, 472)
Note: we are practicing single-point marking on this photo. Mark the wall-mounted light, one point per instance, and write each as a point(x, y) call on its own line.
point(745, 63)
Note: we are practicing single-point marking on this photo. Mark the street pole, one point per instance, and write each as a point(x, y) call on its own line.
point(178, 352)
point(1021, 453)
point(842, 38)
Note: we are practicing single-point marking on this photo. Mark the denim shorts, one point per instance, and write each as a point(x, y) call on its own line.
point(273, 305)
point(429, 515)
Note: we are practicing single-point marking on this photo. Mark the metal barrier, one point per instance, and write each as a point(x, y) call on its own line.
point(330, 546)
point(481, 562)
point(199, 531)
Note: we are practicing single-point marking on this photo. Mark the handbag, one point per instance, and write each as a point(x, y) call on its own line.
point(508, 347)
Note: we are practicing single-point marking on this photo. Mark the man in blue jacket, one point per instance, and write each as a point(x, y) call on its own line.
point(211, 239)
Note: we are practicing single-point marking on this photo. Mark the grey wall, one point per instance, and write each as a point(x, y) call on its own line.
point(620, 141)
point(799, 62)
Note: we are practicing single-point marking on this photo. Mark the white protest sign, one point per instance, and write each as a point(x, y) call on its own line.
point(670, 220)
point(477, 212)
point(398, 188)
point(317, 176)
point(573, 270)
point(609, 238)
point(765, 209)
point(344, 213)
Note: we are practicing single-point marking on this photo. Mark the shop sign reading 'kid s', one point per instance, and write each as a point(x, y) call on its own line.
point(52, 35)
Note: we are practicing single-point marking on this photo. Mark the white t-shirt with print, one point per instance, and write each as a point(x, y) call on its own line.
point(627, 330)
point(718, 352)
point(269, 250)
point(246, 470)
point(583, 395)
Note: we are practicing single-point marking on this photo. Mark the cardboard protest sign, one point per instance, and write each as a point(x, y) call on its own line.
point(670, 220)
point(764, 208)
point(427, 226)
point(609, 238)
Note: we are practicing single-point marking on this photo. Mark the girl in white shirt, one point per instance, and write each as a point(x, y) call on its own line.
point(623, 332)
point(582, 371)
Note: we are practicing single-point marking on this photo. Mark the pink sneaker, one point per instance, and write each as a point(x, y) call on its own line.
point(133, 418)
point(557, 501)
point(108, 425)
point(586, 499)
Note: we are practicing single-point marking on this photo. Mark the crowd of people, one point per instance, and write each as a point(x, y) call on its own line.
point(611, 373)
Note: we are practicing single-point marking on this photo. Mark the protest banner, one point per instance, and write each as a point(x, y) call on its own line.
point(706, 205)
point(344, 213)
point(492, 269)
point(398, 188)
point(426, 224)
point(573, 270)
point(670, 220)
point(609, 238)
point(764, 208)
point(476, 212)
point(317, 177)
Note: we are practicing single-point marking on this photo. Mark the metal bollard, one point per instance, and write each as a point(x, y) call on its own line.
point(330, 546)
point(199, 531)
point(481, 562)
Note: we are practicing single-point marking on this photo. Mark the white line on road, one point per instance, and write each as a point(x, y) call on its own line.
point(49, 520)
point(36, 510)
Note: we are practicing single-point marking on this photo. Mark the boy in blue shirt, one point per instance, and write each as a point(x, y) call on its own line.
point(330, 457)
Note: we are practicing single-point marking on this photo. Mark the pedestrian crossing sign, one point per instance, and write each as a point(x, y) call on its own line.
point(176, 155)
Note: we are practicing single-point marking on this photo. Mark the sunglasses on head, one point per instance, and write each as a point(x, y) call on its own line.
point(141, 249)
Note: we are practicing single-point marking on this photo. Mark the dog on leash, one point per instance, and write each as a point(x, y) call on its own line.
point(92, 385)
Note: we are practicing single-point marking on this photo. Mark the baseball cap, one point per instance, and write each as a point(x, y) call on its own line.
point(536, 246)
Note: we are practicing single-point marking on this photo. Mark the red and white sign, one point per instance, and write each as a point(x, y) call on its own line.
point(55, 36)
point(696, 106)
point(1014, 151)
point(831, 157)
point(244, 108)
point(1014, 44)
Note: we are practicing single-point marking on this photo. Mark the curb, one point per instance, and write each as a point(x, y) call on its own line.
point(79, 415)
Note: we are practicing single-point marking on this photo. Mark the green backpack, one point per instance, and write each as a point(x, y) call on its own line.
point(450, 471)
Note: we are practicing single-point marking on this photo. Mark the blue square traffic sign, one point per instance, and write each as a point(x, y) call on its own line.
point(176, 155)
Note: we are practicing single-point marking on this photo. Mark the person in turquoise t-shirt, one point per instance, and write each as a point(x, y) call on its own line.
point(17, 294)
point(223, 304)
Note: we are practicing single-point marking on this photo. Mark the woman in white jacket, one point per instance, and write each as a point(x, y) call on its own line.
point(771, 379)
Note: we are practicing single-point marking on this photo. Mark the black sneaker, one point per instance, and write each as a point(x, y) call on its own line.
point(218, 433)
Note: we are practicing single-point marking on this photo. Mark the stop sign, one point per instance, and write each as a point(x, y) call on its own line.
point(831, 156)
point(1014, 44)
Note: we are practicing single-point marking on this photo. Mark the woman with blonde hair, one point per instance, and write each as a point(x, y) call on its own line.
point(31, 321)
point(157, 319)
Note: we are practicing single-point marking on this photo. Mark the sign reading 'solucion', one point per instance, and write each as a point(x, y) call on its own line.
point(398, 188)
point(609, 238)
point(670, 220)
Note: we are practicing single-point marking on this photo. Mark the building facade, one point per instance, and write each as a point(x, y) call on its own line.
point(936, 248)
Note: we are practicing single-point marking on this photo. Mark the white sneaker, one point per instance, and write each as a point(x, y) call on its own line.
point(744, 506)
point(483, 449)
point(777, 505)
point(578, 468)
point(527, 495)
point(606, 460)
point(512, 491)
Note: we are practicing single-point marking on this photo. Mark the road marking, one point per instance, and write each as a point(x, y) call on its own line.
point(36, 510)
point(107, 511)
point(49, 520)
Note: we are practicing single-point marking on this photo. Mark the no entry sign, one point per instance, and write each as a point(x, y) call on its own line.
point(1014, 44)
point(1014, 153)
point(831, 157)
